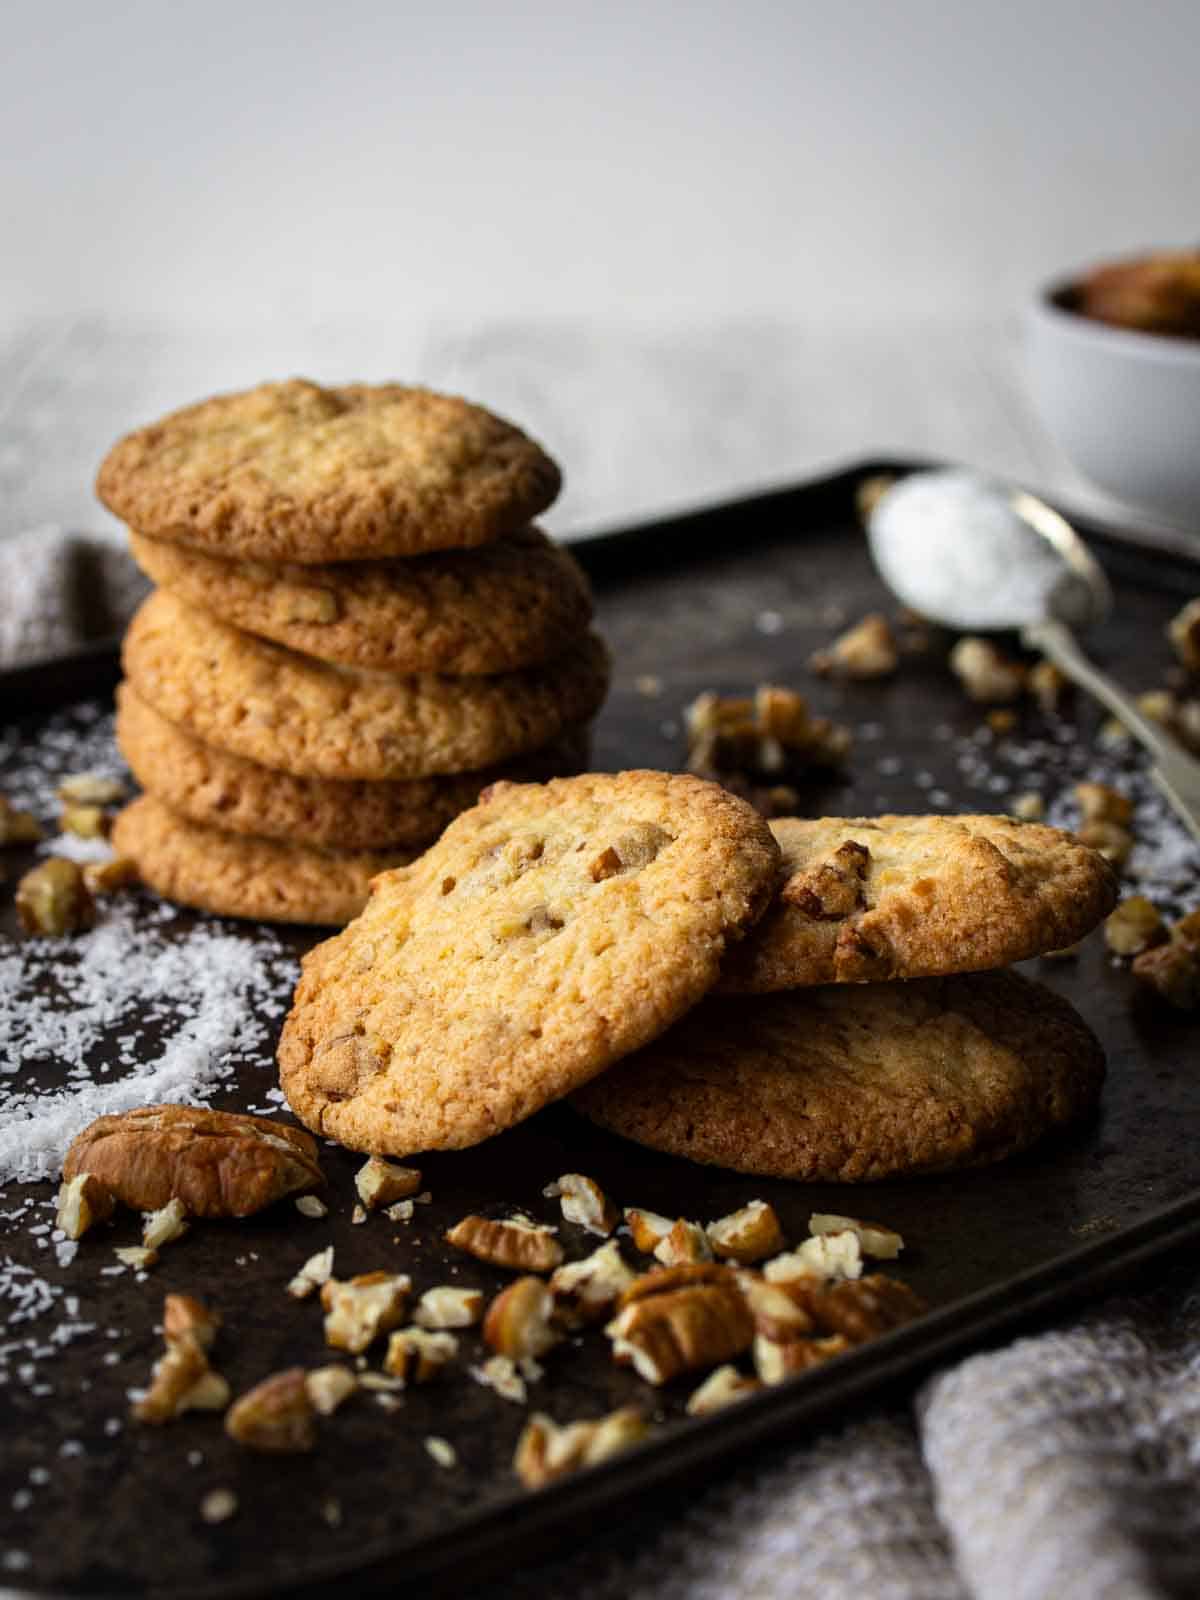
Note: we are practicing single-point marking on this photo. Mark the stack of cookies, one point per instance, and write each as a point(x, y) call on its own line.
point(566, 939)
point(356, 629)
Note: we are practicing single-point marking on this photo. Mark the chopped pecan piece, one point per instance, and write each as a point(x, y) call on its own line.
point(523, 1246)
point(381, 1183)
point(1172, 971)
point(681, 1320)
point(165, 1225)
point(500, 1374)
point(83, 1201)
point(586, 1291)
point(318, 1269)
point(859, 1309)
point(777, 1315)
point(647, 1228)
point(185, 1317)
point(1028, 807)
point(867, 650)
point(328, 1387)
point(584, 1203)
point(885, 1244)
point(358, 1310)
point(416, 1354)
point(182, 1379)
point(85, 822)
point(985, 673)
point(833, 889)
point(1047, 684)
point(218, 1163)
point(832, 1255)
point(1108, 839)
point(1098, 802)
point(104, 877)
point(721, 1388)
point(276, 1416)
point(90, 789)
point(546, 1451)
point(1134, 926)
point(686, 1241)
point(448, 1306)
point(636, 848)
point(53, 900)
point(774, 1361)
point(518, 1321)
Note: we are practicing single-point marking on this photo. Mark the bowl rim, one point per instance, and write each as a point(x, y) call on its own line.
point(1047, 308)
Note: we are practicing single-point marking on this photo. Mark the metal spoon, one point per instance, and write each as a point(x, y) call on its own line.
point(979, 555)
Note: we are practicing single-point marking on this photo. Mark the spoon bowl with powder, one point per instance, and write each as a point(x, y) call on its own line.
point(979, 555)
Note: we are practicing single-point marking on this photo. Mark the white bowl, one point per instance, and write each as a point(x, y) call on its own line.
point(1123, 406)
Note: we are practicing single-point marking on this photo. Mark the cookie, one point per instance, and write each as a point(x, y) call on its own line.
point(236, 876)
point(512, 604)
point(225, 791)
point(869, 898)
point(284, 710)
point(849, 1084)
point(296, 472)
point(548, 932)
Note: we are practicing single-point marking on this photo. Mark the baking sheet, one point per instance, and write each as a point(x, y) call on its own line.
point(91, 1503)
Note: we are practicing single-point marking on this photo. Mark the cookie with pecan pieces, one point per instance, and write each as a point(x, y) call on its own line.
point(844, 1084)
point(314, 719)
point(550, 930)
point(238, 876)
point(869, 898)
point(511, 604)
point(296, 472)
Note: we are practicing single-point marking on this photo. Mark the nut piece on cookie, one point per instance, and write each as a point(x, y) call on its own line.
point(584, 1203)
point(721, 1388)
point(747, 1235)
point(681, 1319)
point(516, 1243)
point(546, 1450)
point(519, 1321)
point(83, 1201)
point(216, 1163)
point(448, 1306)
point(586, 1291)
point(381, 1183)
point(53, 900)
point(685, 1241)
point(885, 1244)
point(277, 1416)
point(359, 1309)
point(417, 1354)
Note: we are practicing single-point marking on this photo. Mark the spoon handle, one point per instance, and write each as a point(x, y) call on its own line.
point(1176, 773)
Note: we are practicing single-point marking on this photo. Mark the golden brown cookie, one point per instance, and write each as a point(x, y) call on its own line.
point(870, 898)
point(225, 791)
point(236, 876)
point(287, 711)
point(847, 1084)
point(296, 472)
point(547, 933)
point(516, 602)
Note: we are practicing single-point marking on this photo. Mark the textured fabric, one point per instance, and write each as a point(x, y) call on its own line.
point(1065, 1466)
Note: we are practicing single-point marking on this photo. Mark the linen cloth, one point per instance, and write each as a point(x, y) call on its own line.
point(1065, 1466)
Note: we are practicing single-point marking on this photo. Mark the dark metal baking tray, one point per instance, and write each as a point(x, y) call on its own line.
point(722, 600)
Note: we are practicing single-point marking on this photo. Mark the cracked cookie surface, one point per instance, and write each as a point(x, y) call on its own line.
point(220, 790)
point(236, 876)
point(843, 1084)
point(865, 899)
point(284, 710)
point(296, 472)
point(551, 930)
point(511, 604)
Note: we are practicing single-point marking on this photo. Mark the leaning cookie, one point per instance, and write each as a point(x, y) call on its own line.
point(511, 604)
point(287, 711)
point(847, 1085)
point(869, 898)
point(220, 790)
point(236, 876)
point(550, 930)
point(296, 472)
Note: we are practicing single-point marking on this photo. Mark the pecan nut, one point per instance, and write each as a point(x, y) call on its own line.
point(217, 1163)
point(523, 1246)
